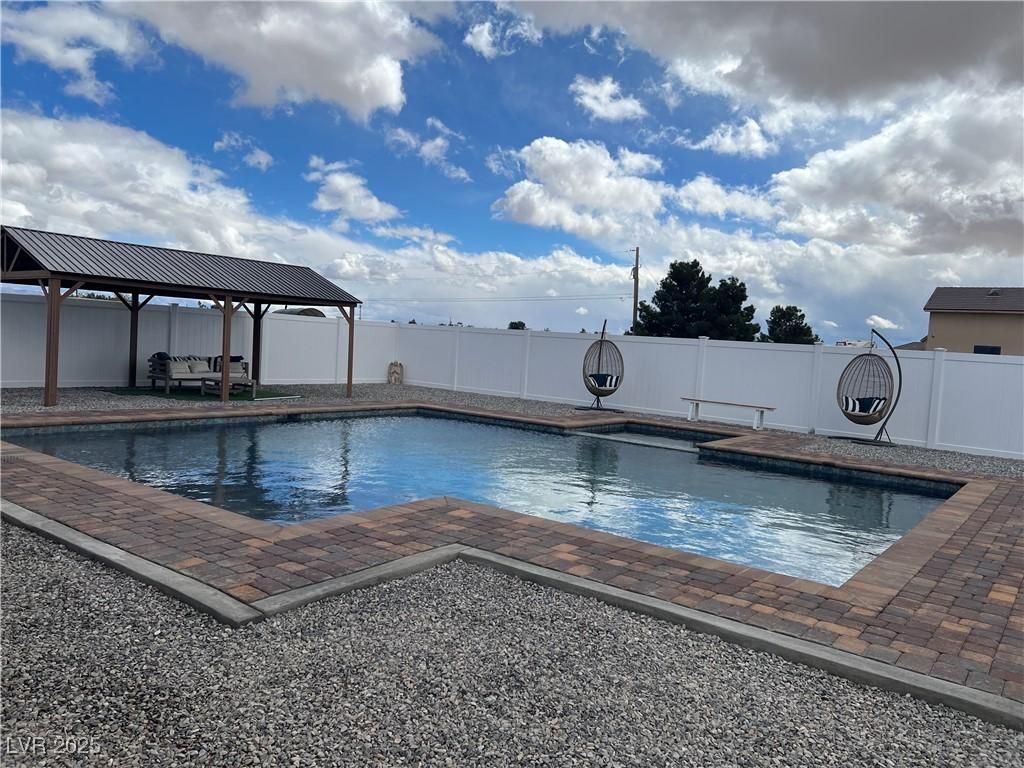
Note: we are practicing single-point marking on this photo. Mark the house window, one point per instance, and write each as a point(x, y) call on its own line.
point(981, 349)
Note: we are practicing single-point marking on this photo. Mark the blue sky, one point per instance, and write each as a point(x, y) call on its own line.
point(483, 153)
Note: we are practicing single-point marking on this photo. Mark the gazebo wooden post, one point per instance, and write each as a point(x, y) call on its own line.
point(133, 340)
point(257, 340)
point(227, 310)
point(351, 317)
point(52, 341)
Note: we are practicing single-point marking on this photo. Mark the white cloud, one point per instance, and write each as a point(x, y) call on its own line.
point(603, 99)
point(350, 54)
point(706, 196)
point(877, 321)
point(347, 194)
point(68, 38)
point(232, 141)
point(432, 151)
point(945, 177)
point(258, 158)
point(746, 140)
point(582, 311)
point(501, 35)
point(503, 162)
point(581, 188)
point(638, 163)
point(830, 323)
point(480, 38)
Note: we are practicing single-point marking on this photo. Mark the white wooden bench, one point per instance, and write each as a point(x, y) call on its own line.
point(696, 402)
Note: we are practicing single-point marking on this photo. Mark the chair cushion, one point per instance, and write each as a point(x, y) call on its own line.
point(871, 404)
point(199, 366)
point(177, 367)
point(863, 405)
point(604, 380)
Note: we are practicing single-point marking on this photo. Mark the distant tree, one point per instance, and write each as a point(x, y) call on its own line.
point(517, 325)
point(686, 305)
point(787, 325)
point(94, 295)
point(413, 321)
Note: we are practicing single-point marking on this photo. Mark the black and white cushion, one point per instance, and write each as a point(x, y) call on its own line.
point(604, 380)
point(863, 406)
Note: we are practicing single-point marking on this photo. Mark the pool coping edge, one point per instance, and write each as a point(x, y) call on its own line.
point(228, 610)
point(195, 593)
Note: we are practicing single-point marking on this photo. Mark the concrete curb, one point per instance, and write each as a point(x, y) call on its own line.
point(224, 608)
point(985, 706)
point(201, 596)
point(368, 577)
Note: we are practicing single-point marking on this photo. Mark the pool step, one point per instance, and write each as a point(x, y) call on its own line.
point(651, 441)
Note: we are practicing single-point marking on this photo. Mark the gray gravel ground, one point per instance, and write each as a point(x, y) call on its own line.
point(914, 456)
point(458, 666)
point(27, 401)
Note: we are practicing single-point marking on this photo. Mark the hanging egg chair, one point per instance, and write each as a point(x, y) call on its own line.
point(603, 370)
point(867, 393)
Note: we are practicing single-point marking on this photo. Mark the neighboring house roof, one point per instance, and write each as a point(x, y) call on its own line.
point(976, 300)
point(115, 266)
point(922, 344)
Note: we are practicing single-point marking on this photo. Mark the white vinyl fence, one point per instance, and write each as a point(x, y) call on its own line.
point(953, 401)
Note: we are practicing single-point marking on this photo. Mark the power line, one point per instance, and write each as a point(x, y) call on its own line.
point(499, 299)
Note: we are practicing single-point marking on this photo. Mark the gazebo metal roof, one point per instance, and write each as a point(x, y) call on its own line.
point(109, 265)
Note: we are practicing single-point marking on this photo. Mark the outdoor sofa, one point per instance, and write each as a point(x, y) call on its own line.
point(193, 369)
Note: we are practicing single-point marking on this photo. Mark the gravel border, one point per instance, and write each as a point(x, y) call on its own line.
point(454, 666)
point(27, 401)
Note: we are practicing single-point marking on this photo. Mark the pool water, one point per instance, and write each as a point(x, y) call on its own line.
point(302, 470)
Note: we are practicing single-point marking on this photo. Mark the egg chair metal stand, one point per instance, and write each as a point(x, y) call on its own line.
point(603, 371)
point(867, 393)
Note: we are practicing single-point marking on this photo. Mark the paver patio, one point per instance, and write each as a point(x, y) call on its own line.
point(945, 600)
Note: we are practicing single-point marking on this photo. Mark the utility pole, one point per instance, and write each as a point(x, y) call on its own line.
point(636, 288)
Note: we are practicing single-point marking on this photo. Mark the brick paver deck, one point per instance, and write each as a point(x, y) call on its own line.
point(945, 600)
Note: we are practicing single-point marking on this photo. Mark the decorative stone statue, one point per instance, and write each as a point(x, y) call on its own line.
point(396, 372)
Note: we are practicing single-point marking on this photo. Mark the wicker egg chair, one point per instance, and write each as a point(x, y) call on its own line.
point(867, 393)
point(603, 371)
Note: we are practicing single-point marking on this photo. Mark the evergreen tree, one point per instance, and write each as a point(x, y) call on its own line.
point(787, 325)
point(686, 305)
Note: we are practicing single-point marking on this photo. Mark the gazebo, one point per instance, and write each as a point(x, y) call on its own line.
point(62, 264)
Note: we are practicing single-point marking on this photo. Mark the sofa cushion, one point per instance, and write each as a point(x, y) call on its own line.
point(199, 366)
point(177, 368)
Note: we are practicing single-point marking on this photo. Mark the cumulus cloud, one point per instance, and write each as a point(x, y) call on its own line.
point(68, 38)
point(582, 311)
point(350, 54)
point(604, 100)
point(432, 151)
point(254, 157)
point(877, 321)
point(746, 140)
point(347, 194)
point(706, 196)
point(944, 178)
point(581, 188)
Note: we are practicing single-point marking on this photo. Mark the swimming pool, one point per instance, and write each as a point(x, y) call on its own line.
point(301, 470)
